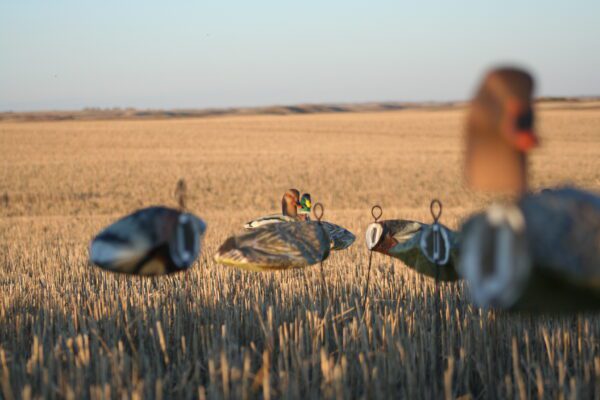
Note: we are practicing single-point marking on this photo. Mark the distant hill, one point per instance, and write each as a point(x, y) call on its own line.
point(135, 114)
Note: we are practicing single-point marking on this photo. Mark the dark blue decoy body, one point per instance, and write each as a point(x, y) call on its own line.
point(151, 241)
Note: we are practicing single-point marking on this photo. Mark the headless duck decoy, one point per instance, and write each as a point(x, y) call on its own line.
point(294, 209)
point(430, 250)
point(290, 203)
point(277, 246)
point(152, 241)
point(537, 252)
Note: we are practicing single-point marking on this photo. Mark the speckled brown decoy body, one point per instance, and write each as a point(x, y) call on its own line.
point(284, 245)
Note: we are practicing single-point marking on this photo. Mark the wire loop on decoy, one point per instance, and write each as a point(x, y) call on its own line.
point(438, 259)
point(436, 256)
point(318, 214)
point(376, 212)
point(436, 215)
point(318, 211)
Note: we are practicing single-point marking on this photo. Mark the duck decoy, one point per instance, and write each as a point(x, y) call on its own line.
point(341, 238)
point(152, 241)
point(430, 253)
point(290, 203)
point(537, 251)
point(276, 246)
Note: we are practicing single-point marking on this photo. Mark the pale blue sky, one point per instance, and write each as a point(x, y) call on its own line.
point(157, 54)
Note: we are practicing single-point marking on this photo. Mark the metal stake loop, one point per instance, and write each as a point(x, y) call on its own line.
point(376, 212)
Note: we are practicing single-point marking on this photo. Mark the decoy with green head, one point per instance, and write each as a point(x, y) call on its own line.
point(290, 203)
point(276, 246)
point(341, 238)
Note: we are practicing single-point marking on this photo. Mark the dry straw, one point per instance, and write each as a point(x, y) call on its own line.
point(71, 331)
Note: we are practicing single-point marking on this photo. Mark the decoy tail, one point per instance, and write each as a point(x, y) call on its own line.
point(341, 238)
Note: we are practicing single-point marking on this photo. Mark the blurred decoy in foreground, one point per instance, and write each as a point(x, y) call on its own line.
point(535, 252)
point(151, 241)
point(412, 243)
point(341, 238)
point(290, 203)
point(276, 246)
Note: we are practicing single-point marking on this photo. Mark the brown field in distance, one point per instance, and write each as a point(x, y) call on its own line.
point(69, 330)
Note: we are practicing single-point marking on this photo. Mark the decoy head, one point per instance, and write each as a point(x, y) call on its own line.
point(495, 259)
point(500, 130)
point(184, 241)
point(290, 203)
point(305, 204)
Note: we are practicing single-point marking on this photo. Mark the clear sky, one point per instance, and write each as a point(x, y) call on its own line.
point(208, 53)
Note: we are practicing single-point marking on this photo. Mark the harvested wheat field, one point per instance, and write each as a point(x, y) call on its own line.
point(69, 330)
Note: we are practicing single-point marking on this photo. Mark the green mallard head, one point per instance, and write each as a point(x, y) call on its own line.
point(305, 204)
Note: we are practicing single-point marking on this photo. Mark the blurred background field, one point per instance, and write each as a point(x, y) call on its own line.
point(68, 330)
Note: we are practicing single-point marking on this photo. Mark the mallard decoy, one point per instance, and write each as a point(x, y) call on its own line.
point(341, 238)
point(409, 242)
point(276, 246)
point(289, 211)
point(539, 252)
point(151, 241)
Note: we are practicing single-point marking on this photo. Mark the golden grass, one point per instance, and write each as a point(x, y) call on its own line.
point(68, 330)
